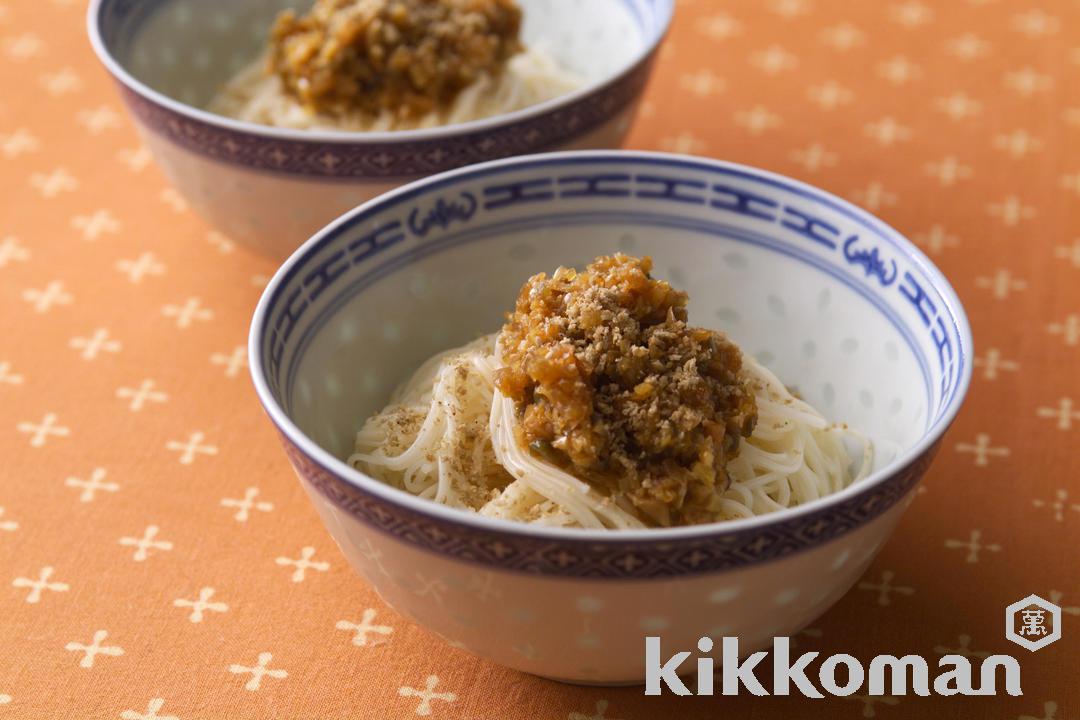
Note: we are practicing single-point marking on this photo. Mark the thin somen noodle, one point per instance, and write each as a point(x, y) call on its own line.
point(531, 77)
point(448, 436)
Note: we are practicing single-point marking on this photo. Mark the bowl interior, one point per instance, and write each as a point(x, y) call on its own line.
point(187, 49)
point(833, 301)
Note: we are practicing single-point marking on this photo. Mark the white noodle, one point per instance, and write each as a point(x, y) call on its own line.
point(794, 455)
point(530, 77)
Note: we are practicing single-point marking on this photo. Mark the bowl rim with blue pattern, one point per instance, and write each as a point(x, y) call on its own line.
point(529, 548)
point(535, 128)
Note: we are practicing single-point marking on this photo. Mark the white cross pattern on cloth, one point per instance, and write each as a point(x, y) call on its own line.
point(814, 157)
point(885, 588)
point(151, 712)
point(1001, 284)
point(19, 142)
point(1028, 81)
point(146, 543)
point(842, 37)
point(788, 9)
point(44, 299)
point(757, 119)
point(39, 433)
point(91, 486)
point(234, 362)
point(601, 710)
point(303, 563)
point(967, 47)
point(140, 267)
point(140, 395)
point(1068, 329)
point(136, 159)
point(24, 47)
point(702, 83)
point(1059, 504)
point(911, 14)
point(258, 671)
point(1071, 182)
point(1056, 598)
point(982, 450)
point(427, 694)
point(874, 196)
point(61, 82)
point(1065, 252)
point(7, 525)
point(192, 448)
point(98, 120)
point(1011, 210)
point(1049, 712)
point(12, 250)
point(96, 224)
point(364, 628)
point(959, 106)
point(1018, 143)
point(773, 60)
point(948, 171)
point(719, 27)
point(993, 362)
point(887, 131)
point(98, 342)
point(223, 244)
point(869, 701)
point(963, 648)
point(174, 200)
point(188, 312)
point(685, 142)
point(1063, 413)
point(898, 70)
point(936, 239)
point(1035, 24)
point(200, 605)
point(51, 184)
point(246, 504)
point(830, 95)
point(94, 649)
point(42, 583)
point(973, 546)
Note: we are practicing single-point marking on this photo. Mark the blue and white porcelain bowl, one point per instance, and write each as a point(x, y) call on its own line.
point(272, 188)
point(836, 302)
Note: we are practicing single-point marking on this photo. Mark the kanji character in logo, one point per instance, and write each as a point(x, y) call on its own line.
point(1034, 622)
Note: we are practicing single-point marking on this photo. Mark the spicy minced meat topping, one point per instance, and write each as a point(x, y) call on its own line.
point(409, 57)
point(611, 383)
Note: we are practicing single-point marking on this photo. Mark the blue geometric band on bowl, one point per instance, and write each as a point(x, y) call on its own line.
point(356, 158)
point(612, 558)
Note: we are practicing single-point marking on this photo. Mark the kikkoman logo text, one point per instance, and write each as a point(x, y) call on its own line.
point(1032, 623)
point(886, 675)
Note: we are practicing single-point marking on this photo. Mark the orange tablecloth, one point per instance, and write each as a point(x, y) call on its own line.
point(148, 511)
